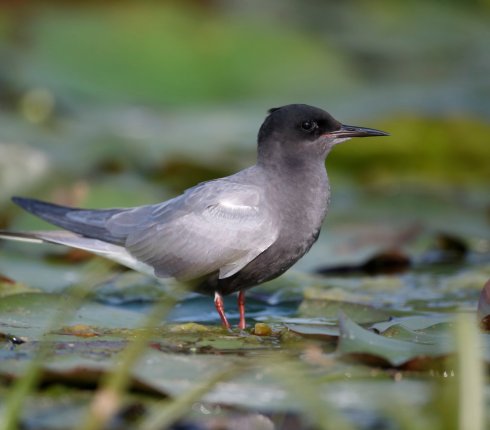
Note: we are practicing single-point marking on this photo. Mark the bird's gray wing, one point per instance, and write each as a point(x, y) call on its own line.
point(216, 226)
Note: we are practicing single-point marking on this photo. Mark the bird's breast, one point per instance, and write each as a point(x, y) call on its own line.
point(301, 209)
point(304, 206)
point(299, 206)
point(300, 225)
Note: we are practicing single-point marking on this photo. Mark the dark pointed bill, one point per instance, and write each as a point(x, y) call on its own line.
point(353, 131)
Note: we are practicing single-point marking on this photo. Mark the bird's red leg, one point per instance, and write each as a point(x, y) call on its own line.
point(220, 307)
point(241, 310)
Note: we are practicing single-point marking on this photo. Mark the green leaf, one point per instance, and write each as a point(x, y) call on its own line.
point(355, 340)
point(29, 314)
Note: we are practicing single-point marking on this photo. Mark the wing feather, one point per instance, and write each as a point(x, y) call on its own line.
point(219, 227)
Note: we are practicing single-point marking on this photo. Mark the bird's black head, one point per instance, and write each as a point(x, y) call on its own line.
point(300, 131)
point(297, 122)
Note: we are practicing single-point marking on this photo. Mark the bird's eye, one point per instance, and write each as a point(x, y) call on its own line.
point(309, 125)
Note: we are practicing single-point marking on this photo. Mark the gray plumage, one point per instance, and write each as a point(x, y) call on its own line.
point(228, 234)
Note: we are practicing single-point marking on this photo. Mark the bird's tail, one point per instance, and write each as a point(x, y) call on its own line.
point(104, 249)
point(89, 223)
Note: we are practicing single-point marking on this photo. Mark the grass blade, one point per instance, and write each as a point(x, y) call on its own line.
point(471, 374)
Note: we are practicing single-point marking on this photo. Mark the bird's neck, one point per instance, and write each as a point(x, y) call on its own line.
point(296, 170)
point(301, 188)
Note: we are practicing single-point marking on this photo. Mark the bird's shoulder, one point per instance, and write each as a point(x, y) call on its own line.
point(235, 197)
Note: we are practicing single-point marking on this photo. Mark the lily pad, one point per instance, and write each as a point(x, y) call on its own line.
point(400, 332)
point(327, 332)
point(9, 286)
point(412, 322)
point(37, 273)
point(355, 340)
point(172, 374)
point(329, 309)
point(30, 315)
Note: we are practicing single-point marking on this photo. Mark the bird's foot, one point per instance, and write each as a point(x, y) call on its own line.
point(220, 308)
point(241, 309)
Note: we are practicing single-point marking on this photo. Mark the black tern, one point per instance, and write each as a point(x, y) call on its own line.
point(226, 235)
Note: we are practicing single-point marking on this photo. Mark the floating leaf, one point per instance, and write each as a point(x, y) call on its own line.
point(357, 341)
point(325, 307)
point(29, 314)
point(9, 286)
point(172, 374)
point(37, 273)
point(412, 322)
point(315, 331)
point(400, 332)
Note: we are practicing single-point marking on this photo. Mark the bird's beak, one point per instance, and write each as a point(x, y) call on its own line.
point(346, 131)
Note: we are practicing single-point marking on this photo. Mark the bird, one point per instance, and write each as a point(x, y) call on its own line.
point(226, 235)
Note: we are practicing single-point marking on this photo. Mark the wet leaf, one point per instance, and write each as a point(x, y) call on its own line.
point(326, 303)
point(37, 273)
point(400, 332)
point(327, 332)
point(130, 287)
point(357, 341)
point(29, 314)
point(171, 374)
point(9, 286)
point(412, 322)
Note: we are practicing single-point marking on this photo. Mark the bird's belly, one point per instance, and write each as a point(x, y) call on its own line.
point(272, 263)
point(283, 254)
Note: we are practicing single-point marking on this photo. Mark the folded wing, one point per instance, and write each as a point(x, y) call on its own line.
point(216, 226)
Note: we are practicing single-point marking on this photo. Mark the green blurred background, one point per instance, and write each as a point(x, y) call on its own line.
point(118, 103)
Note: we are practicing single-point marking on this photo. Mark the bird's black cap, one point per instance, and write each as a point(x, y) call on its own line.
point(297, 122)
point(301, 122)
